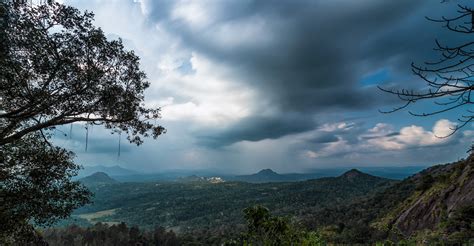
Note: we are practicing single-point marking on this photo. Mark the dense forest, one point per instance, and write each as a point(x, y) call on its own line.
point(196, 205)
point(352, 208)
point(104, 235)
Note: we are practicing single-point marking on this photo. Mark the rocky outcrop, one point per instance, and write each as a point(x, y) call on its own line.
point(452, 188)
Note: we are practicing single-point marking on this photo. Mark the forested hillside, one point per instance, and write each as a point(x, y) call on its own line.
point(435, 205)
point(98, 178)
point(217, 208)
point(352, 208)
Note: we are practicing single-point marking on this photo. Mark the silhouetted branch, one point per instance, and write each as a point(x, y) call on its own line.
point(451, 77)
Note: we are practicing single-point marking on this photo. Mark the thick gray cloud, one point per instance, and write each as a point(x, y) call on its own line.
point(254, 84)
point(304, 57)
point(257, 128)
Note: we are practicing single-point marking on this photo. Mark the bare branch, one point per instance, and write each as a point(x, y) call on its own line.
point(451, 77)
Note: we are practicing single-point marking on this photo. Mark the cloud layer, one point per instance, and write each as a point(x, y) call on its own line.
point(240, 80)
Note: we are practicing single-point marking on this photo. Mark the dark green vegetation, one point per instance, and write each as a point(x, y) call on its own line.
point(266, 229)
point(262, 228)
point(57, 68)
point(104, 235)
point(35, 186)
point(434, 206)
point(213, 212)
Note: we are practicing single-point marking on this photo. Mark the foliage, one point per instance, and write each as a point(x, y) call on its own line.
point(340, 210)
point(460, 226)
point(265, 229)
point(58, 69)
point(193, 207)
point(35, 186)
point(375, 218)
point(105, 235)
point(426, 183)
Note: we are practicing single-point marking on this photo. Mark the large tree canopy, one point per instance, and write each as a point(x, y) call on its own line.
point(57, 68)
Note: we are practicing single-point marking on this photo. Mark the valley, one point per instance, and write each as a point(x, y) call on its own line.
point(352, 207)
point(187, 206)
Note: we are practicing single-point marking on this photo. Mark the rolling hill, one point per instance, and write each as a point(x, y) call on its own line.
point(109, 170)
point(186, 207)
point(433, 206)
point(268, 175)
point(98, 178)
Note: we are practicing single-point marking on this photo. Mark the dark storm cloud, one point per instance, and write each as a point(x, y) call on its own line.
point(316, 56)
point(327, 137)
point(349, 133)
point(257, 128)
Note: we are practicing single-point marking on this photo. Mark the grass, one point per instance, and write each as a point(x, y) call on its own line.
point(93, 217)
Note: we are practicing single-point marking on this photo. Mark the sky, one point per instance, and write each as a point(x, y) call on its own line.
point(288, 85)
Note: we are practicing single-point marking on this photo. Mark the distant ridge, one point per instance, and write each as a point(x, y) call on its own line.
point(265, 175)
point(267, 171)
point(109, 170)
point(196, 200)
point(357, 176)
point(268, 175)
point(97, 178)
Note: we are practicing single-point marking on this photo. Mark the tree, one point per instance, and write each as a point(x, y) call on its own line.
point(450, 79)
point(56, 68)
point(266, 229)
point(103, 235)
point(35, 186)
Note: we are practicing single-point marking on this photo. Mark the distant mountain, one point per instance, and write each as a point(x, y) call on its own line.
point(110, 170)
point(390, 172)
point(394, 172)
point(268, 175)
point(97, 178)
point(217, 205)
point(265, 175)
point(355, 175)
